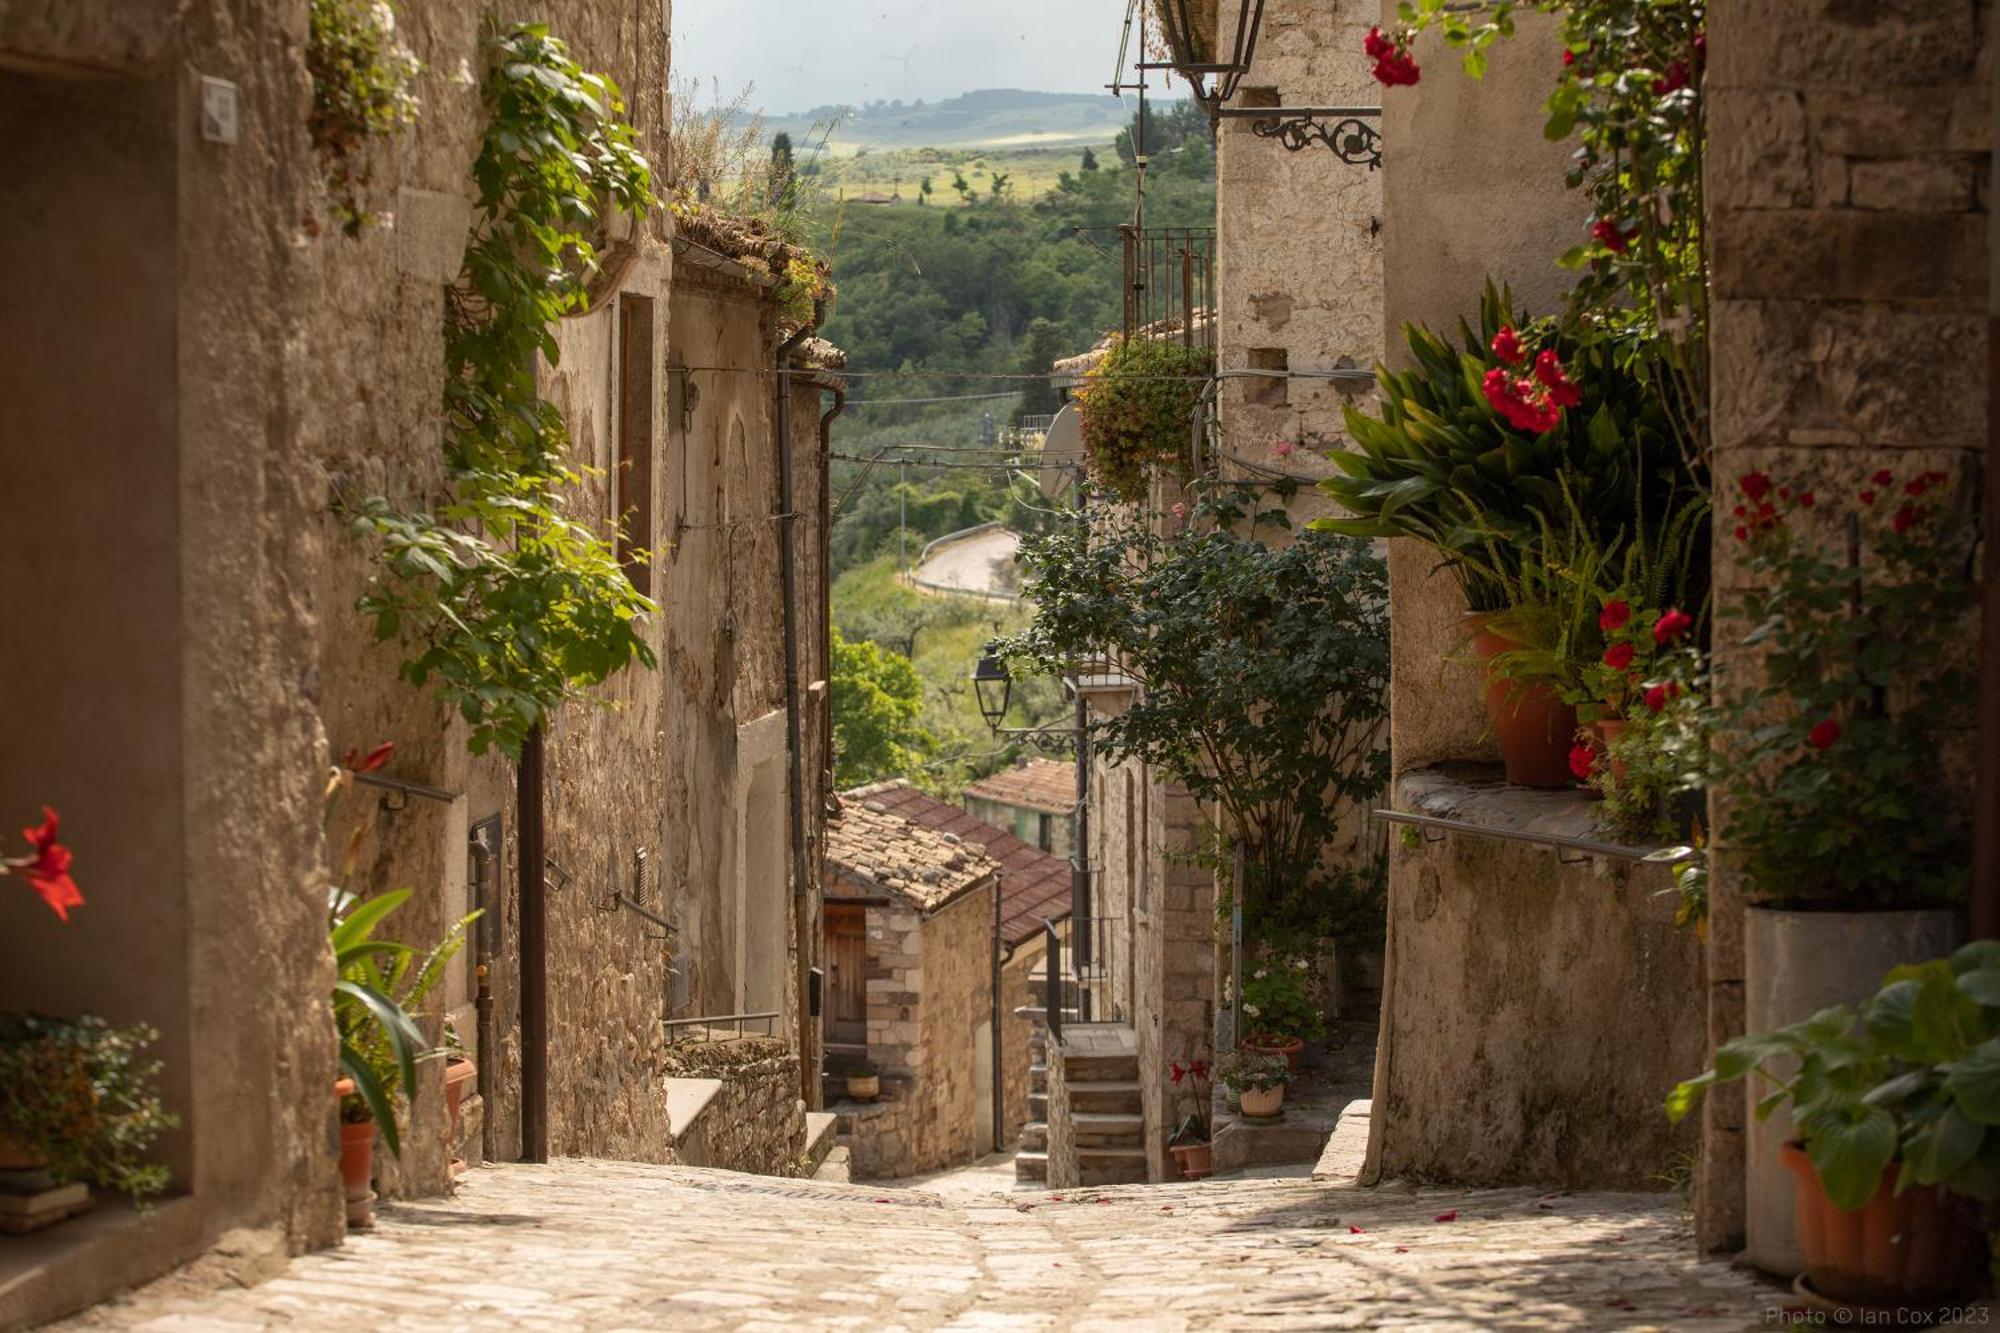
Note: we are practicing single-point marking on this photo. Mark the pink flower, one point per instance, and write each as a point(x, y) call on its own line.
point(1285, 448)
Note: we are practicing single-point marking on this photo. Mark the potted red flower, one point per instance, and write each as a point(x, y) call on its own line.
point(1189, 1143)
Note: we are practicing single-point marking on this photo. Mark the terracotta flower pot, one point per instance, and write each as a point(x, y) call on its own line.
point(1603, 732)
point(1271, 1043)
point(1263, 1103)
point(458, 1075)
point(1534, 727)
point(1196, 1160)
point(357, 1162)
point(1916, 1250)
point(864, 1087)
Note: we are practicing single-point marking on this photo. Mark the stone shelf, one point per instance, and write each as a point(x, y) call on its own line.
point(1477, 799)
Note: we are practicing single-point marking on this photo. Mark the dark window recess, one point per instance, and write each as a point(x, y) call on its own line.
point(1271, 390)
point(632, 485)
point(1259, 97)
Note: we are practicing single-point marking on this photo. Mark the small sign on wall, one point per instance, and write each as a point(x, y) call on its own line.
point(219, 110)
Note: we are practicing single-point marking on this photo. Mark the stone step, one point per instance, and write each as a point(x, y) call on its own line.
point(837, 1166)
point(1105, 1096)
point(1108, 1130)
point(822, 1130)
point(1038, 1105)
point(1105, 1066)
point(1034, 1137)
point(1111, 1166)
point(1031, 1166)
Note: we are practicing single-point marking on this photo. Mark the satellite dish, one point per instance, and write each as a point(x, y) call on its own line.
point(1062, 450)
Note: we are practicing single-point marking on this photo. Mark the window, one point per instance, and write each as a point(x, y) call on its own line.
point(632, 482)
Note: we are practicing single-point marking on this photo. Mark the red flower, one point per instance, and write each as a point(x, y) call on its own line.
point(1905, 519)
point(1582, 762)
point(1806, 500)
point(1520, 403)
point(1671, 626)
point(1784, 492)
point(1656, 698)
point(1742, 534)
point(1701, 50)
point(1823, 735)
point(1569, 57)
point(1672, 80)
point(1883, 477)
point(1609, 236)
point(1397, 71)
point(1176, 1072)
point(1739, 511)
point(1917, 487)
point(1868, 497)
point(1448, 1216)
point(1507, 345)
point(1756, 485)
point(1376, 45)
point(1549, 371)
point(1614, 616)
point(1199, 1069)
point(48, 873)
point(371, 761)
point(1618, 656)
point(1356, 1231)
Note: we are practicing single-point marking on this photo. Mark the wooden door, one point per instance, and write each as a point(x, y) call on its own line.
point(846, 976)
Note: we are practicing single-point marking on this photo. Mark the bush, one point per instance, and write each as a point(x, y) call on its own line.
point(1138, 407)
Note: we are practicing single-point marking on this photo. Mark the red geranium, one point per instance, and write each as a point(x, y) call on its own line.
point(1582, 762)
point(1549, 371)
point(1614, 616)
point(1376, 45)
point(1507, 345)
point(1756, 485)
point(48, 869)
point(1672, 80)
point(1521, 402)
point(1656, 698)
point(1671, 626)
point(1609, 236)
point(1883, 477)
point(1823, 734)
point(1618, 656)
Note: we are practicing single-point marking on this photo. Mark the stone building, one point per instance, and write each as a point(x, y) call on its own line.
point(1034, 890)
point(1035, 800)
point(201, 369)
point(910, 915)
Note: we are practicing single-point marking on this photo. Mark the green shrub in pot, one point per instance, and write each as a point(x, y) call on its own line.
point(81, 1096)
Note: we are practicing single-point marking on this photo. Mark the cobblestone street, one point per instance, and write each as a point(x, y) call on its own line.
point(604, 1246)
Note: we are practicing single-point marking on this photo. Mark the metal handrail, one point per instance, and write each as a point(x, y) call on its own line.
point(712, 1021)
point(1052, 983)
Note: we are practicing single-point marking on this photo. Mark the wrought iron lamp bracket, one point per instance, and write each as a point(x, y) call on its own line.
point(1345, 130)
point(1052, 740)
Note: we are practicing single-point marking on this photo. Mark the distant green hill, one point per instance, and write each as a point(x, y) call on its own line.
point(995, 119)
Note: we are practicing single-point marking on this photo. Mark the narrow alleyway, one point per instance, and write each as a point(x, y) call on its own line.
point(604, 1246)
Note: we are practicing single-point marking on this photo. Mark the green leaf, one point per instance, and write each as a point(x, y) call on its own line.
point(1974, 1083)
point(1937, 1152)
point(1851, 1150)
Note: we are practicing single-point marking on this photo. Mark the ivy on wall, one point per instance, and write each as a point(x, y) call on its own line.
point(497, 597)
point(362, 75)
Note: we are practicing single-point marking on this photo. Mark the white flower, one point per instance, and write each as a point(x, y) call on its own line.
point(1259, 974)
point(1299, 963)
point(385, 17)
point(464, 76)
point(1252, 1010)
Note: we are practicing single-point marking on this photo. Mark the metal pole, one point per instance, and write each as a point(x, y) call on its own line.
point(1080, 906)
point(534, 953)
point(1985, 904)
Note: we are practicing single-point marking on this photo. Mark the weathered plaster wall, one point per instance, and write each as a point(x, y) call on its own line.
point(1540, 1016)
point(1299, 247)
point(1848, 186)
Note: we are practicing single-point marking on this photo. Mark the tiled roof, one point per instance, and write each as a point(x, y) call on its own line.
point(1035, 784)
point(1034, 886)
point(871, 851)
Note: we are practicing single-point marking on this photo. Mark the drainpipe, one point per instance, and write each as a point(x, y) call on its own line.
point(789, 574)
point(534, 949)
point(999, 1056)
point(1985, 903)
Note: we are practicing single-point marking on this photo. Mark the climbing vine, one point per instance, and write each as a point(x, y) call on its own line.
point(509, 606)
point(362, 76)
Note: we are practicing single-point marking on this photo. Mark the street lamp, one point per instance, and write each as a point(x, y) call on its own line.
point(1189, 38)
point(994, 685)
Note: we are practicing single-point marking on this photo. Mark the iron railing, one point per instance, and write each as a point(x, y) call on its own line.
point(1081, 963)
point(1170, 284)
point(705, 1028)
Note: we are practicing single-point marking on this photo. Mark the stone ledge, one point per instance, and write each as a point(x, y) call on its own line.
point(1478, 799)
point(687, 1098)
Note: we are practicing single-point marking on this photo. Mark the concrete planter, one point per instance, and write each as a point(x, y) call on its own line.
point(1263, 1103)
point(1794, 965)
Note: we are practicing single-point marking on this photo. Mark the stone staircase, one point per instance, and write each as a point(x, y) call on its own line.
point(1106, 1115)
point(1031, 1157)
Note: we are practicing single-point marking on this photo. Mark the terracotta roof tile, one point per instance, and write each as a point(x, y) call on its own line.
point(1036, 784)
point(871, 851)
point(1034, 886)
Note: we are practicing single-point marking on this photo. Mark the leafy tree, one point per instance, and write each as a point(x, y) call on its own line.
point(1263, 672)
point(877, 698)
point(1166, 131)
point(1089, 160)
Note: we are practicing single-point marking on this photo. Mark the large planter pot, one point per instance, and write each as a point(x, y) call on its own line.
point(458, 1075)
point(1534, 727)
point(1263, 1103)
point(1794, 965)
point(357, 1163)
point(864, 1087)
point(1271, 1043)
point(1895, 1252)
point(1196, 1160)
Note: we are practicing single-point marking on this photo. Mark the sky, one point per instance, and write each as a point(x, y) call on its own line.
point(803, 54)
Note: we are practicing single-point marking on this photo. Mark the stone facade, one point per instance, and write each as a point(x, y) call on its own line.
point(201, 369)
point(757, 1121)
point(1848, 189)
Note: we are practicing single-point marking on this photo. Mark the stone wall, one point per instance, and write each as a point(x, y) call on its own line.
point(251, 367)
point(1018, 993)
point(930, 989)
point(1063, 1168)
point(1848, 187)
point(757, 1123)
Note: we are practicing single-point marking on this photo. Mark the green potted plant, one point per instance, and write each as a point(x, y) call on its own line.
point(864, 1081)
point(1279, 1014)
point(1839, 669)
point(1190, 1143)
point(1896, 1130)
point(1259, 1082)
point(379, 983)
point(79, 1105)
point(1137, 407)
point(1524, 433)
